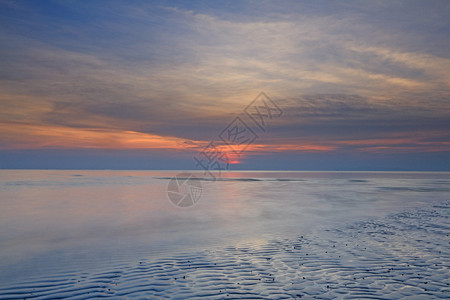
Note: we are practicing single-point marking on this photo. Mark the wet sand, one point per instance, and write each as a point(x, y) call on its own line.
point(402, 256)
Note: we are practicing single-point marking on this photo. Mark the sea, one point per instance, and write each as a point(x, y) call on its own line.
point(73, 225)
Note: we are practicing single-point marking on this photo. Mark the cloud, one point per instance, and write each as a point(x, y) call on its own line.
point(139, 74)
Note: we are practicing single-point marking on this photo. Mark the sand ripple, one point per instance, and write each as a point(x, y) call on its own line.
point(403, 256)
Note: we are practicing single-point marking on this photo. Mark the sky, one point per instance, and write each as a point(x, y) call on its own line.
point(357, 85)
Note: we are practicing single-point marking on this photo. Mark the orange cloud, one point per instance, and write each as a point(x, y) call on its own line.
point(22, 136)
point(392, 141)
point(29, 136)
point(261, 149)
point(404, 149)
point(398, 145)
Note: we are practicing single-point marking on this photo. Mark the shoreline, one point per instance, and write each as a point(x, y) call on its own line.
point(401, 255)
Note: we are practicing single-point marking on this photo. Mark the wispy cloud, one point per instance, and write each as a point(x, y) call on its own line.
point(139, 75)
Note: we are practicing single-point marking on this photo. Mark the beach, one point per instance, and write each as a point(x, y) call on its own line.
point(252, 235)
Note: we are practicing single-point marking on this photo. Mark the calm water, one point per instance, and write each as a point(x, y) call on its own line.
point(60, 221)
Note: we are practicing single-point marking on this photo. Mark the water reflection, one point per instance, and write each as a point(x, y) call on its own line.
point(83, 219)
